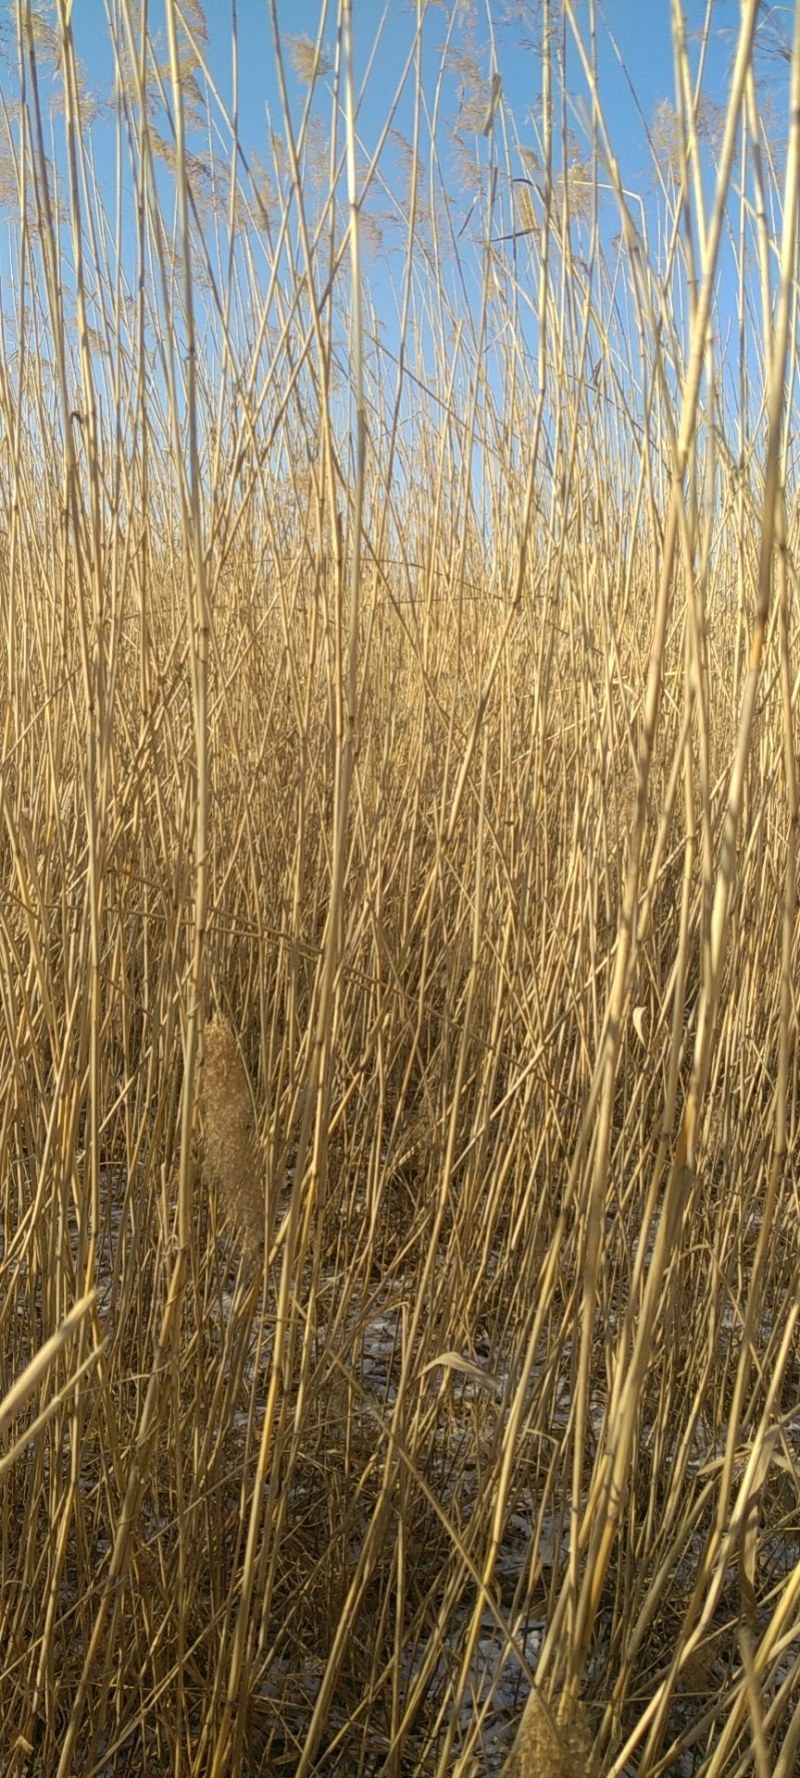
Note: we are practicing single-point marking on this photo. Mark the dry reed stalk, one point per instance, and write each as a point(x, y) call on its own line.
point(413, 864)
point(232, 1160)
point(34, 1373)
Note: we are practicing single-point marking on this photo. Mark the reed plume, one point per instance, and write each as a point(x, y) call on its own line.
point(232, 1161)
point(551, 1743)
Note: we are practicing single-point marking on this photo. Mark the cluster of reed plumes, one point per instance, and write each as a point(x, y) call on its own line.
point(415, 684)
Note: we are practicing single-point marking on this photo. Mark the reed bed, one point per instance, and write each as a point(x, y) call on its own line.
point(398, 957)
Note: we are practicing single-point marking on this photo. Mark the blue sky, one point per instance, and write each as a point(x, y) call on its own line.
point(635, 74)
point(640, 28)
point(634, 55)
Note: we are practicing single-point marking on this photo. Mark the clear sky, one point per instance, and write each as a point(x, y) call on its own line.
point(634, 46)
point(634, 54)
point(467, 41)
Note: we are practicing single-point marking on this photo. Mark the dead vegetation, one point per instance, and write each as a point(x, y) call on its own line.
point(398, 957)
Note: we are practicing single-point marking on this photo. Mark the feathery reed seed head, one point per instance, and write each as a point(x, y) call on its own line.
point(232, 1161)
point(550, 1743)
